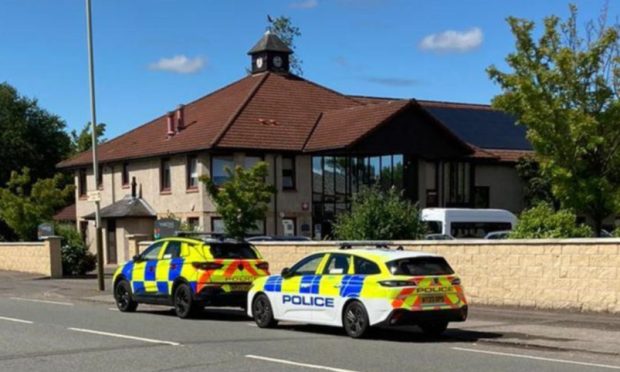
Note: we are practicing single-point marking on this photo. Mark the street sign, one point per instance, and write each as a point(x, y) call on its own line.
point(94, 196)
point(166, 227)
point(44, 230)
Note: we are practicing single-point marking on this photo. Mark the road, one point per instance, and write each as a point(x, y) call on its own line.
point(48, 333)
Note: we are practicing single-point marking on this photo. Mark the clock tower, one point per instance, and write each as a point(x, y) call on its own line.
point(270, 54)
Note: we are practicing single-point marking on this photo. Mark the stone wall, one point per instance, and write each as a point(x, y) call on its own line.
point(38, 258)
point(573, 274)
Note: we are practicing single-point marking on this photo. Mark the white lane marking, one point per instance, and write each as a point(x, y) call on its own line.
point(16, 320)
point(251, 324)
point(42, 301)
point(283, 361)
point(151, 340)
point(113, 309)
point(537, 358)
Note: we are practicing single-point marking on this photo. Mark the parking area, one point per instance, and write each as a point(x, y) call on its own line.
point(67, 324)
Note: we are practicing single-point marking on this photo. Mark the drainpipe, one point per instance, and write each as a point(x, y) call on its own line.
point(275, 196)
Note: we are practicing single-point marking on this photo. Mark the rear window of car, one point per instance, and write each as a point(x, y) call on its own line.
point(233, 251)
point(420, 266)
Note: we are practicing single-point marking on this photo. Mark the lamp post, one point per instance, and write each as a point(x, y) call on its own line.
point(93, 123)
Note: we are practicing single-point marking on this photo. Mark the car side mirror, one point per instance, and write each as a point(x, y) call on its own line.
point(286, 273)
point(136, 258)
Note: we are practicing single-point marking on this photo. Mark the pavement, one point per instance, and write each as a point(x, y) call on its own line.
point(68, 324)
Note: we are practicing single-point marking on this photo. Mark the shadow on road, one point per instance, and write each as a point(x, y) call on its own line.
point(228, 315)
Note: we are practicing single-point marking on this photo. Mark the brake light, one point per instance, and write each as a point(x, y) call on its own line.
point(263, 266)
point(207, 265)
point(456, 281)
point(397, 283)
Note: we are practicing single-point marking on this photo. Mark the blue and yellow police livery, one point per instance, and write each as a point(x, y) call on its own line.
point(360, 288)
point(188, 274)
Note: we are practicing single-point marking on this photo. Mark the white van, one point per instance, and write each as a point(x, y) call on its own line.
point(467, 223)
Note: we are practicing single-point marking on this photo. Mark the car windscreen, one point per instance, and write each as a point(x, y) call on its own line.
point(233, 251)
point(416, 266)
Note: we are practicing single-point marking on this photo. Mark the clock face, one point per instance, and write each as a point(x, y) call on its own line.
point(259, 62)
point(277, 61)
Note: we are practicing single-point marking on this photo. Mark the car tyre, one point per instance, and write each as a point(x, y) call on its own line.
point(124, 298)
point(184, 304)
point(263, 312)
point(355, 320)
point(434, 328)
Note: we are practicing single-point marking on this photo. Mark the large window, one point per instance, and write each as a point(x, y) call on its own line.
point(457, 184)
point(82, 183)
point(219, 164)
point(288, 172)
point(191, 172)
point(165, 181)
point(125, 175)
point(251, 161)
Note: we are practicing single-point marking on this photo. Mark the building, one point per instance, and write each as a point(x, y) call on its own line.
point(321, 147)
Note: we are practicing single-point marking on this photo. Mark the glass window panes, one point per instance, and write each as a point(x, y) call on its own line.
point(308, 265)
point(219, 164)
point(251, 161)
point(192, 172)
point(365, 267)
point(173, 250)
point(337, 264)
point(288, 172)
point(398, 171)
point(152, 252)
point(375, 169)
point(165, 174)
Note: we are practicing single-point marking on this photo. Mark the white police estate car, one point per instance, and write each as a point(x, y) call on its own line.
point(360, 288)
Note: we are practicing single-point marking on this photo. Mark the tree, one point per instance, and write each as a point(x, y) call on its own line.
point(379, 215)
point(564, 88)
point(29, 136)
point(242, 200)
point(543, 222)
point(24, 204)
point(82, 141)
point(283, 28)
point(537, 188)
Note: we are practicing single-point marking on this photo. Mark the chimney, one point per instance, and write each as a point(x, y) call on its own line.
point(170, 122)
point(180, 118)
point(133, 187)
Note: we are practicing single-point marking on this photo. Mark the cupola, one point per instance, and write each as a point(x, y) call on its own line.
point(270, 54)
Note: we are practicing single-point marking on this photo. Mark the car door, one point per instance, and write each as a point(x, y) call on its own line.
point(143, 279)
point(168, 267)
point(338, 266)
point(298, 290)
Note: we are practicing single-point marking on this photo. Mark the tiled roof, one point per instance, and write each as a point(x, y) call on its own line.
point(127, 207)
point(66, 214)
point(340, 128)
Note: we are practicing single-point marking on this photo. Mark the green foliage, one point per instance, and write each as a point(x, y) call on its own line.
point(24, 205)
point(379, 215)
point(543, 222)
point(283, 28)
point(76, 259)
point(82, 141)
point(29, 136)
point(242, 200)
point(537, 187)
point(564, 88)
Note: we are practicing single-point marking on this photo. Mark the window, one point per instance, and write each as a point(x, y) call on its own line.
point(82, 182)
point(164, 175)
point(100, 178)
point(219, 164)
point(232, 251)
point(251, 161)
point(420, 266)
point(308, 265)
point(363, 266)
point(288, 172)
point(125, 174)
point(173, 250)
point(337, 264)
point(217, 225)
point(193, 223)
point(457, 176)
point(191, 172)
point(482, 196)
point(152, 252)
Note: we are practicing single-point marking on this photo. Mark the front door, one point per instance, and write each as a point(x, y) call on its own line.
point(111, 240)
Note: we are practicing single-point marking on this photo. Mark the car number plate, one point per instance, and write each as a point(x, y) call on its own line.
point(433, 299)
point(240, 287)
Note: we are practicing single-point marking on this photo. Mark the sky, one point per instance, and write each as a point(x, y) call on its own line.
point(151, 55)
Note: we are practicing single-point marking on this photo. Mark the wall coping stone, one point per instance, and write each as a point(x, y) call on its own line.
point(538, 242)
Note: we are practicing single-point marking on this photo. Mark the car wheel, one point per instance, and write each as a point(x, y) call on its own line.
point(262, 312)
point(355, 320)
point(124, 298)
point(184, 304)
point(434, 328)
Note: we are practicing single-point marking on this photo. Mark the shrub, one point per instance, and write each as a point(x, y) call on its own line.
point(543, 222)
point(76, 259)
point(379, 215)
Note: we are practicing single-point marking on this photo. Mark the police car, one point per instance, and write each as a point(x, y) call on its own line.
point(189, 274)
point(360, 288)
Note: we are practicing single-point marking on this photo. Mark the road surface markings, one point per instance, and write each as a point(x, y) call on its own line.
point(537, 358)
point(251, 324)
point(151, 340)
point(113, 309)
point(42, 301)
point(15, 320)
point(283, 361)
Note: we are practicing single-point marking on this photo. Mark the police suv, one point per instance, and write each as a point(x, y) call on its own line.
point(360, 288)
point(189, 273)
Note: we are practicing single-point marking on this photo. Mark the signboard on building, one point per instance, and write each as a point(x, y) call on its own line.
point(94, 196)
point(288, 226)
point(166, 227)
point(44, 230)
